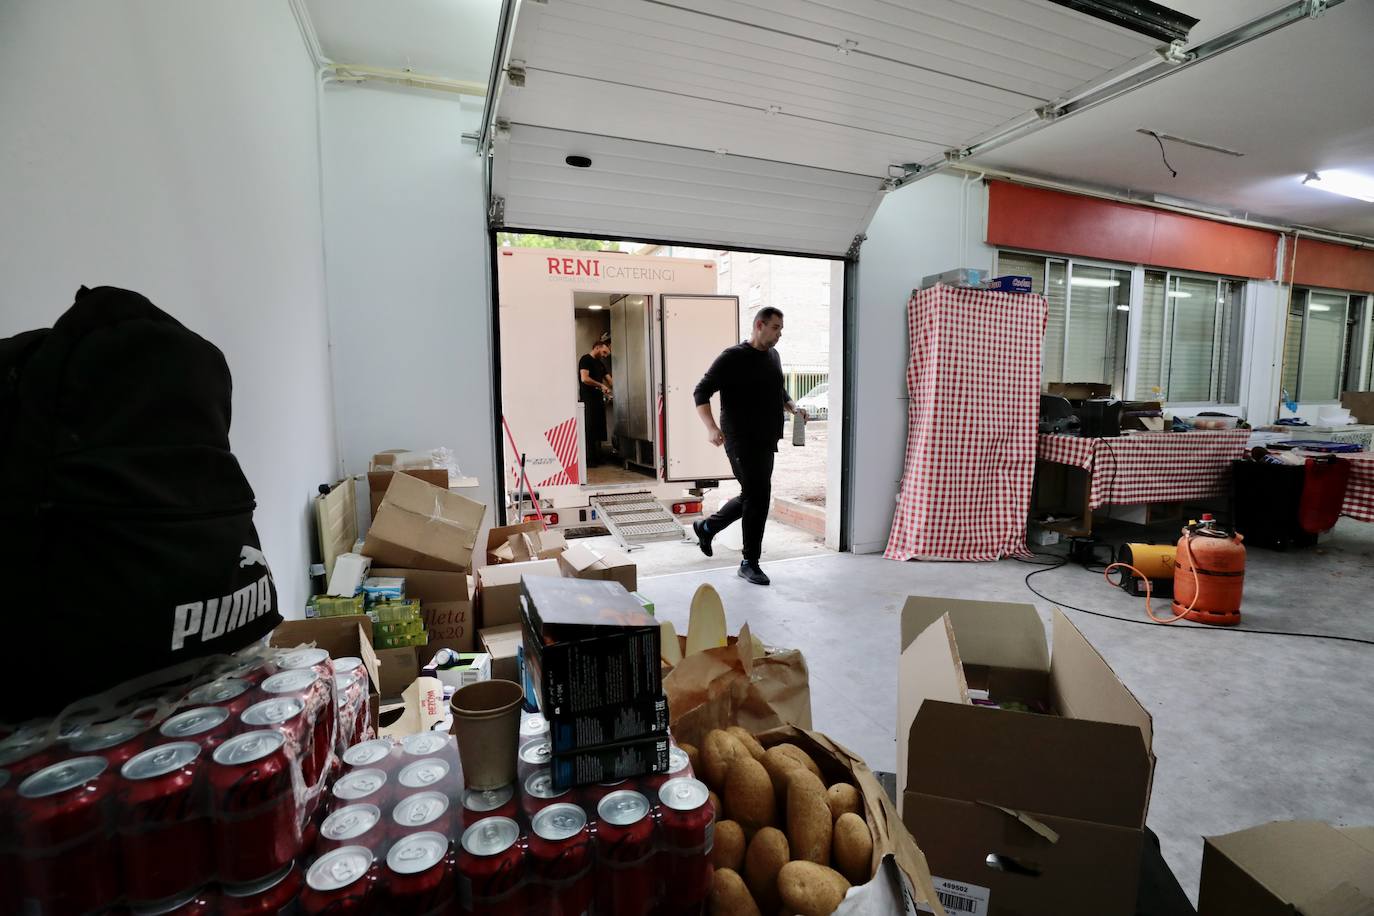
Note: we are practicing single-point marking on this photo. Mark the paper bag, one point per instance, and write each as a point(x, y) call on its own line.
point(728, 686)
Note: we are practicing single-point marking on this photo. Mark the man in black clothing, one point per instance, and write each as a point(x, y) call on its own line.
point(594, 385)
point(753, 396)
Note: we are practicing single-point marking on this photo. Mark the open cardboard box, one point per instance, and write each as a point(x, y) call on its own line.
point(502, 643)
point(582, 562)
point(341, 637)
point(498, 541)
point(420, 526)
point(533, 545)
point(446, 604)
point(1036, 814)
point(498, 590)
point(1289, 867)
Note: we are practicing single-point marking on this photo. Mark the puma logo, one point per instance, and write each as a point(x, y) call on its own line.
point(252, 556)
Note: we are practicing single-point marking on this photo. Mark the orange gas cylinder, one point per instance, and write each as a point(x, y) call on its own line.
point(1209, 575)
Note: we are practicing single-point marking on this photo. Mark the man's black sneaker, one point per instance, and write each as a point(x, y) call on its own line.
point(703, 537)
point(752, 572)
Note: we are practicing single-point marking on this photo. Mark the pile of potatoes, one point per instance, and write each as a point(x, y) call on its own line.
point(785, 843)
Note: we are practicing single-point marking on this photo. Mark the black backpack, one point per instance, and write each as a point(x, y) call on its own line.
point(126, 525)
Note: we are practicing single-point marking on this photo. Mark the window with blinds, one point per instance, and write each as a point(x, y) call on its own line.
point(1324, 350)
point(1190, 339)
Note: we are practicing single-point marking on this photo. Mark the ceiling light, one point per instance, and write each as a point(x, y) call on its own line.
point(1146, 18)
point(1179, 294)
point(1123, 308)
point(1319, 308)
point(1095, 283)
point(1347, 184)
point(596, 308)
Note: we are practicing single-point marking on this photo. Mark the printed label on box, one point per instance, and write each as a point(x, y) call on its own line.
point(959, 898)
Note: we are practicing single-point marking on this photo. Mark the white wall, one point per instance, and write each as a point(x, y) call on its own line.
point(407, 263)
point(170, 148)
point(933, 225)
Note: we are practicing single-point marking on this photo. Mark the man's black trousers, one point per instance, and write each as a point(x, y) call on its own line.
point(753, 467)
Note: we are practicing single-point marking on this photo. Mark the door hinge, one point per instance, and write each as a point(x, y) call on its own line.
point(515, 72)
point(496, 212)
point(854, 246)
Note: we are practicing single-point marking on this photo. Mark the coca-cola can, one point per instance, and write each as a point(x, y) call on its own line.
point(256, 814)
point(353, 825)
point(540, 793)
point(274, 895)
point(340, 882)
point(233, 693)
point(419, 875)
point(429, 773)
point(68, 857)
point(164, 835)
point(287, 715)
point(429, 744)
point(26, 752)
point(317, 660)
point(560, 861)
point(626, 883)
point(200, 902)
point(208, 726)
point(317, 693)
point(533, 726)
point(534, 756)
point(350, 666)
point(379, 753)
point(687, 825)
point(368, 784)
point(422, 811)
point(117, 742)
point(591, 795)
point(351, 698)
point(479, 804)
point(253, 667)
point(491, 868)
point(679, 766)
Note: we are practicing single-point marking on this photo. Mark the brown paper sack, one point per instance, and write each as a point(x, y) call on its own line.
point(728, 686)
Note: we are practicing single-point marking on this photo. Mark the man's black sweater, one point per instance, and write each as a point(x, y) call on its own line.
point(753, 395)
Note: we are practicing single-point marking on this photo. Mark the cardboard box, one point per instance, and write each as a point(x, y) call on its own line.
point(533, 545)
point(582, 562)
point(1079, 391)
point(1058, 799)
point(445, 603)
point(1360, 404)
point(588, 645)
point(420, 526)
point(398, 669)
point(630, 721)
point(1288, 867)
point(503, 645)
point(379, 481)
point(610, 762)
point(498, 590)
point(498, 541)
point(341, 637)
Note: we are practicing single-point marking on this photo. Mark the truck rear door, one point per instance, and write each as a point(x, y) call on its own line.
point(695, 329)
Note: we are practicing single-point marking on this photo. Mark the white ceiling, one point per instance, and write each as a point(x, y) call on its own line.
point(452, 39)
point(1298, 100)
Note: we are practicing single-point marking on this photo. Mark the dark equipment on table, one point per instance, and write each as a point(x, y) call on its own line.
point(1099, 418)
point(1056, 415)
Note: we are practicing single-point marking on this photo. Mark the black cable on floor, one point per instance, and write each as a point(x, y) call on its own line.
point(1063, 561)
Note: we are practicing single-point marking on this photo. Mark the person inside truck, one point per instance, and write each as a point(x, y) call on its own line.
point(753, 396)
point(594, 386)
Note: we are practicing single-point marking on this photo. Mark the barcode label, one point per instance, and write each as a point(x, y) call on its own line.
point(959, 898)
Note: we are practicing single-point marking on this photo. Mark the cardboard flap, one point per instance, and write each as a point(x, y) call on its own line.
point(1302, 863)
point(1090, 771)
point(369, 657)
point(1084, 686)
point(336, 520)
point(339, 636)
point(928, 669)
point(510, 573)
point(580, 557)
point(996, 633)
point(503, 641)
point(499, 537)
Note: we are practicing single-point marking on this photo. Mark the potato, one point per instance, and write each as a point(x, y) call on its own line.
point(728, 851)
point(743, 737)
point(780, 766)
point(719, 748)
point(693, 756)
point(808, 819)
point(749, 794)
point(768, 853)
point(717, 805)
point(843, 798)
point(853, 848)
point(729, 896)
point(810, 889)
point(791, 750)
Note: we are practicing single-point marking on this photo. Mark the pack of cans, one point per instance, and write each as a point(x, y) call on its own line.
point(179, 800)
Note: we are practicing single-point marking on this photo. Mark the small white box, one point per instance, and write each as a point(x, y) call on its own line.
point(458, 669)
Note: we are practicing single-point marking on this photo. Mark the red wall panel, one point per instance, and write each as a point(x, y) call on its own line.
point(1071, 224)
point(1333, 266)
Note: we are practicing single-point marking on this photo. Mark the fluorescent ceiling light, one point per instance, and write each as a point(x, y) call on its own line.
point(1179, 294)
point(1095, 283)
point(1346, 184)
point(1319, 308)
point(596, 308)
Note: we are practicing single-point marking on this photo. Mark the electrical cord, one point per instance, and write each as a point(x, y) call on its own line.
point(1162, 154)
point(1063, 561)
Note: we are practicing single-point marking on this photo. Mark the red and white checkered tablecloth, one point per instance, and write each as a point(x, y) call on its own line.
point(974, 382)
point(1151, 467)
point(1359, 492)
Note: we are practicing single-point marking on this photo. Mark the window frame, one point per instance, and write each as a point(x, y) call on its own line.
point(1358, 341)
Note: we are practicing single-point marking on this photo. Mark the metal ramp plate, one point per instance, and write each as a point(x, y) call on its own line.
point(635, 519)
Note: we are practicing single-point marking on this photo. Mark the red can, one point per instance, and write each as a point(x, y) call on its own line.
point(317, 693)
point(256, 815)
point(208, 726)
point(201, 902)
point(351, 666)
point(479, 804)
point(350, 699)
point(540, 793)
point(287, 715)
point(316, 660)
point(491, 868)
point(117, 742)
point(67, 855)
point(366, 785)
point(233, 693)
point(429, 773)
point(340, 882)
point(687, 821)
point(534, 756)
point(164, 836)
point(419, 876)
point(274, 895)
point(560, 859)
point(592, 795)
point(9, 859)
point(421, 811)
point(25, 753)
point(253, 668)
point(429, 744)
point(679, 766)
point(353, 825)
point(626, 884)
point(533, 725)
point(379, 753)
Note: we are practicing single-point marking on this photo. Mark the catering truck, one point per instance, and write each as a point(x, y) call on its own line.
point(666, 324)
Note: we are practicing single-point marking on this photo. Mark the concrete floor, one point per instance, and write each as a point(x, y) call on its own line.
point(1248, 728)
